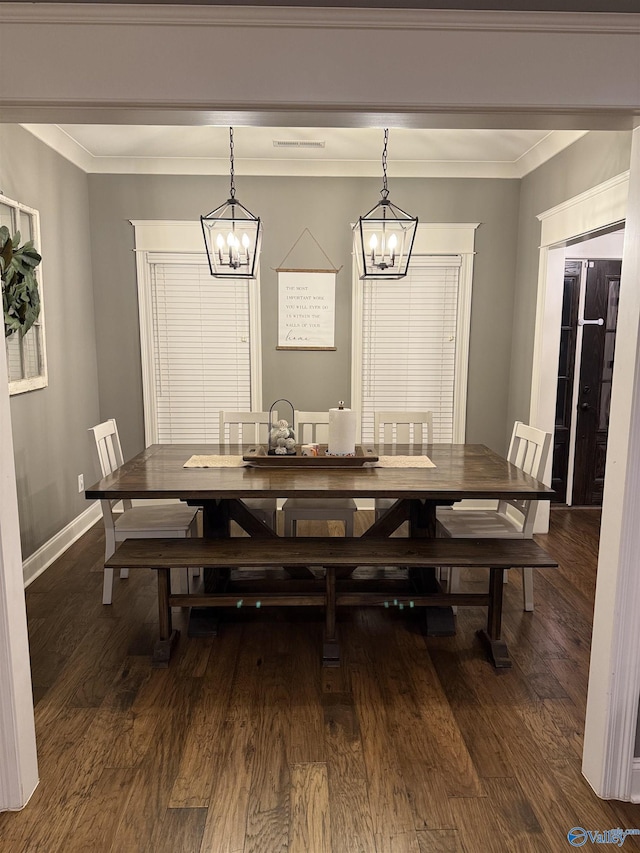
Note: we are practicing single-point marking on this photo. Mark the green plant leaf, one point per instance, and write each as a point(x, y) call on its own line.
point(20, 295)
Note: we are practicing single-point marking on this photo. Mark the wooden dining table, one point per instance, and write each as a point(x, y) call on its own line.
point(459, 472)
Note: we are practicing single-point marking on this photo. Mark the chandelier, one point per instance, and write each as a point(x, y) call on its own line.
point(385, 235)
point(232, 234)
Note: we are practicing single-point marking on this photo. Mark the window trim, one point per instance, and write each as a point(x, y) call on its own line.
point(180, 240)
point(432, 239)
point(31, 383)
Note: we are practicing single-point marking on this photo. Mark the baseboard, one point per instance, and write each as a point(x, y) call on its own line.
point(635, 781)
point(41, 559)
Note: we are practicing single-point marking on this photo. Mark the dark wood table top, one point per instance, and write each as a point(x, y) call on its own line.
point(461, 471)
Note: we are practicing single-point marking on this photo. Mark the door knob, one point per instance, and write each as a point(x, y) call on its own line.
point(585, 407)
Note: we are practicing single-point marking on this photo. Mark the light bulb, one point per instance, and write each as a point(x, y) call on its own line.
point(393, 242)
point(220, 241)
point(373, 243)
point(246, 242)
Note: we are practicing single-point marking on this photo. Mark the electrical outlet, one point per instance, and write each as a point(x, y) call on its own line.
point(81, 482)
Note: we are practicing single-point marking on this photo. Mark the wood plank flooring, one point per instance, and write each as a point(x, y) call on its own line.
point(246, 745)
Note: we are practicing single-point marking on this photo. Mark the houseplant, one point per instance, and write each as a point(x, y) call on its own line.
point(20, 296)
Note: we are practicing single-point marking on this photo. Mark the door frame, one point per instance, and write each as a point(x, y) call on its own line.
point(583, 216)
point(18, 759)
point(614, 678)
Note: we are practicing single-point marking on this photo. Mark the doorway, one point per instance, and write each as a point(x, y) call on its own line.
point(585, 368)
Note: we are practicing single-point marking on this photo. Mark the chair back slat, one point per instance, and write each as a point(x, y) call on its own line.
point(403, 428)
point(312, 427)
point(110, 457)
point(528, 450)
point(245, 427)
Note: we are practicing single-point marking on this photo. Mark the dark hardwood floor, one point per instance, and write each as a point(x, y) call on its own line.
point(246, 745)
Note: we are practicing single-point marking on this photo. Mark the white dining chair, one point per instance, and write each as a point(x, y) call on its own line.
point(510, 519)
point(136, 522)
point(313, 427)
point(411, 428)
point(251, 428)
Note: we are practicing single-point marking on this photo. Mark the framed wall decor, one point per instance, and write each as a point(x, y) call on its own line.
point(306, 309)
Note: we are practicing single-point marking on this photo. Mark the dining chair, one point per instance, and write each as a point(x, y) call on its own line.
point(413, 428)
point(250, 428)
point(511, 519)
point(139, 522)
point(313, 427)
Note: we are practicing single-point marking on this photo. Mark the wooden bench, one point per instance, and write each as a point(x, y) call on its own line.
point(332, 554)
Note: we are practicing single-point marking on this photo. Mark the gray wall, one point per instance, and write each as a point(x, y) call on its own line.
point(591, 160)
point(93, 351)
point(50, 425)
point(325, 206)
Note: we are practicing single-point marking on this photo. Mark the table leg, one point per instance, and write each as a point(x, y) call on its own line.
point(492, 637)
point(440, 621)
point(330, 647)
point(168, 637)
point(216, 518)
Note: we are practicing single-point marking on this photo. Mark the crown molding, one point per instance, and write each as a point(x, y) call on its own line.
point(111, 14)
point(56, 138)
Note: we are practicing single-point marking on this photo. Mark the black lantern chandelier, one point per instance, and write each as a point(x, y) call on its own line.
point(232, 235)
point(386, 235)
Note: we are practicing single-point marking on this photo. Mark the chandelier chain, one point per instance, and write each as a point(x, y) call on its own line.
point(384, 192)
point(232, 191)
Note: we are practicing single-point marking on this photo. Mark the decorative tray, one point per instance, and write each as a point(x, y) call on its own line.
point(258, 456)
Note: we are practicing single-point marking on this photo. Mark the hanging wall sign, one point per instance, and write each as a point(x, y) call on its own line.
point(306, 309)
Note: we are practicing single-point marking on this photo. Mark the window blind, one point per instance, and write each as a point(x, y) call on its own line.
point(200, 350)
point(409, 344)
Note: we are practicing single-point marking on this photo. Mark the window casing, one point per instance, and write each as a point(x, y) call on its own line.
point(26, 354)
point(410, 342)
point(200, 336)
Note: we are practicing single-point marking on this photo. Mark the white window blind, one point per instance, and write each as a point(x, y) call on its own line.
point(409, 344)
point(201, 350)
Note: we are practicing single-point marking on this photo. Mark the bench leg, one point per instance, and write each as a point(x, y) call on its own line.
point(330, 646)
point(492, 637)
point(168, 637)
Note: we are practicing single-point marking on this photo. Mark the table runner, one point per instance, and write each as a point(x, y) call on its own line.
point(214, 462)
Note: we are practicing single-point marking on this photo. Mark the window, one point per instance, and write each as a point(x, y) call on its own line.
point(411, 337)
point(26, 354)
point(199, 335)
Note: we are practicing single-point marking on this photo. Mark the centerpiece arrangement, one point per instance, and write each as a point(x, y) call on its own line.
point(282, 450)
point(282, 438)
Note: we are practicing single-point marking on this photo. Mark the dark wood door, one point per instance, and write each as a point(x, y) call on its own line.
point(596, 371)
point(566, 369)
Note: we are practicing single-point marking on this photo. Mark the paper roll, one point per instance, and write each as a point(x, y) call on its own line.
point(342, 432)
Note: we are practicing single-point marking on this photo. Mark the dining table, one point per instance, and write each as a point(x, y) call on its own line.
point(418, 479)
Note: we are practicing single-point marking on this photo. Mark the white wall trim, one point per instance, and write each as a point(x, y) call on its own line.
point(614, 674)
point(598, 207)
point(635, 781)
point(41, 559)
point(312, 17)
point(18, 760)
point(56, 138)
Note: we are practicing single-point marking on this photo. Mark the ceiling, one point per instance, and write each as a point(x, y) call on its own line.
point(321, 151)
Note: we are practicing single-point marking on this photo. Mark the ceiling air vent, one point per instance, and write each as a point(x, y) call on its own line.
point(298, 143)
